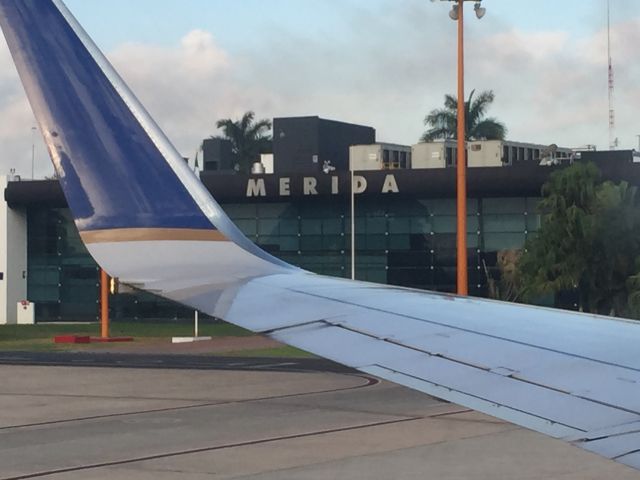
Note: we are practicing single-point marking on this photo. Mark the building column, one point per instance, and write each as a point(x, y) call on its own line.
point(13, 257)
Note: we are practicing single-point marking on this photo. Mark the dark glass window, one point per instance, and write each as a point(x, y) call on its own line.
point(505, 155)
point(450, 159)
point(404, 241)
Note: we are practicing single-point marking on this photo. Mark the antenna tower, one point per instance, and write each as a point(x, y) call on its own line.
point(613, 141)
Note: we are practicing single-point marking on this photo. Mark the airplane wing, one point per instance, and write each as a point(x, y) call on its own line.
point(147, 219)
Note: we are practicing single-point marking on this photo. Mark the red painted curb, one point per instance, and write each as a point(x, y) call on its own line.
point(111, 339)
point(71, 339)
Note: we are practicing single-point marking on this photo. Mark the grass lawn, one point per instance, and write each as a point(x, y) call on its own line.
point(39, 337)
point(131, 329)
point(284, 351)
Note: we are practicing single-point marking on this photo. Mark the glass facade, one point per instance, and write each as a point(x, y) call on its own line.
point(399, 240)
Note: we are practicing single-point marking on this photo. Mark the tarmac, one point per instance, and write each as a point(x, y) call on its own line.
point(259, 421)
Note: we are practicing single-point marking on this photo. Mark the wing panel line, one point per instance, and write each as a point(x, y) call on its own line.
point(464, 363)
point(536, 422)
point(462, 329)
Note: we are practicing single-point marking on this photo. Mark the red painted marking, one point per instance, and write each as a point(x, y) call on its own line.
point(71, 339)
point(111, 339)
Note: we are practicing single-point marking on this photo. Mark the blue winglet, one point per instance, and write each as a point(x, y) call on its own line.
point(111, 171)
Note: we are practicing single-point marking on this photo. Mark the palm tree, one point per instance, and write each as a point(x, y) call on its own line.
point(248, 138)
point(443, 122)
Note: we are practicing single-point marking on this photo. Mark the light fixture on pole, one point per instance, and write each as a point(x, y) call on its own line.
point(453, 13)
point(462, 277)
point(478, 8)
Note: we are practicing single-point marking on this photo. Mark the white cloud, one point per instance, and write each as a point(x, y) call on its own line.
point(187, 88)
point(562, 95)
point(390, 71)
point(17, 121)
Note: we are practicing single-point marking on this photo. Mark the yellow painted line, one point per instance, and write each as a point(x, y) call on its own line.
point(149, 234)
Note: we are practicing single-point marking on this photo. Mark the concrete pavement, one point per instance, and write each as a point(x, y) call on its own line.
point(137, 424)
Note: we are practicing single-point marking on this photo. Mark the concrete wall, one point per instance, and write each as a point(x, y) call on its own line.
point(13, 257)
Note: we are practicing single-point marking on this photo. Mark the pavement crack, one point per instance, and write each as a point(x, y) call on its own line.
point(207, 449)
point(369, 381)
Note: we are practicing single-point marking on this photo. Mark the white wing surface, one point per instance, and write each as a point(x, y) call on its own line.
point(147, 220)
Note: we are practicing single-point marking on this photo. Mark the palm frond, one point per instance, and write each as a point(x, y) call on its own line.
point(488, 129)
point(247, 119)
point(435, 134)
point(248, 138)
point(478, 107)
point(443, 121)
point(451, 103)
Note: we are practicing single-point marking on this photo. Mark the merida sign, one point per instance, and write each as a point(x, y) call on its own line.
point(257, 187)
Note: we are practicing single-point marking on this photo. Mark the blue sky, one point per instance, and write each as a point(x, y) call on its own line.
point(384, 63)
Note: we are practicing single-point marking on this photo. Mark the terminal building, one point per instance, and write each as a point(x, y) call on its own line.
point(405, 224)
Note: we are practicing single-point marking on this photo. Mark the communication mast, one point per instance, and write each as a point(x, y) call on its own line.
point(613, 141)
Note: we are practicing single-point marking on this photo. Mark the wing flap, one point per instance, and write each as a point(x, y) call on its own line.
point(572, 333)
point(613, 446)
point(529, 383)
point(617, 386)
point(631, 459)
point(523, 419)
point(361, 351)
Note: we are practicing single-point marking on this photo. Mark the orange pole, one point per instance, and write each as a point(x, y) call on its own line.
point(104, 304)
point(461, 171)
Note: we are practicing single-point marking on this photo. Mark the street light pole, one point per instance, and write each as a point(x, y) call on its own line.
point(461, 168)
point(353, 227)
point(104, 304)
point(33, 151)
point(462, 276)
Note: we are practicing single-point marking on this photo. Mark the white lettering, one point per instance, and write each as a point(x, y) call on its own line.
point(334, 185)
point(309, 186)
point(256, 188)
point(285, 189)
point(390, 184)
point(359, 184)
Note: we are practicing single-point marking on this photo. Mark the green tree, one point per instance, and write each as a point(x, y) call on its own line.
point(557, 258)
point(443, 122)
point(617, 247)
point(633, 285)
point(249, 138)
point(506, 286)
point(589, 242)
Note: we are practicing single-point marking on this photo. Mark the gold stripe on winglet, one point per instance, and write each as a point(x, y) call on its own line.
point(149, 234)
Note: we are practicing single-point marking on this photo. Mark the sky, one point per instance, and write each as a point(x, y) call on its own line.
point(383, 63)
